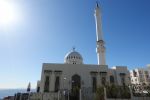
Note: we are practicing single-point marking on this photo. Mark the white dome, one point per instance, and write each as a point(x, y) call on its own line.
point(73, 57)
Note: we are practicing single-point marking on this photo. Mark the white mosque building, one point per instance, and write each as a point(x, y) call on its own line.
point(73, 73)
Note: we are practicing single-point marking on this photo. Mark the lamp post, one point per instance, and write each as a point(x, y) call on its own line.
point(80, 91)
point(67, 89)
point(64, 92)
point(58, 94)
point(80, 94)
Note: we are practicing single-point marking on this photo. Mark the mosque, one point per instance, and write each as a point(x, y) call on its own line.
point(73, 73)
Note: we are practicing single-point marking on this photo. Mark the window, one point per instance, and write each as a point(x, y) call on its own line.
point(112, 81)
point(123, 81)
point(94, 83)
point(122, 77)
point(57, 83)
point(147, 76)
point(46, 87)
point(38, 89)
point(134, 73)
point(146, 72)
point(103, 80)
point(140, 72)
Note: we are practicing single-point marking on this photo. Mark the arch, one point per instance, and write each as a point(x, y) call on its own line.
point(76, 81)
point(76, 85)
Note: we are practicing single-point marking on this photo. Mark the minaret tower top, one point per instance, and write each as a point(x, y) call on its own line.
point(100, 42)
point(98, 21)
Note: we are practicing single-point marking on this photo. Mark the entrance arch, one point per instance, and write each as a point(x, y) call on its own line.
point(76, 85)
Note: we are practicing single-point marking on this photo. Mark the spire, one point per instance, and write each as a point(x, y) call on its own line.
point(97, 4)
point(98, 20)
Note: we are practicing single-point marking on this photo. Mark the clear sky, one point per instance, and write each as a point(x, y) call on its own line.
point(43, 31)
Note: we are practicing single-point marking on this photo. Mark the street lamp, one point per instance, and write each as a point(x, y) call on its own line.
point(64, 92)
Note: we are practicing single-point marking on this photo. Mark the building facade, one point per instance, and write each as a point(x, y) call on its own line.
point(57, 77)
point(140, 76)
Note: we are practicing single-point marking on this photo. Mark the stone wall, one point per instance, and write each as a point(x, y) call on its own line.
point(43, 96)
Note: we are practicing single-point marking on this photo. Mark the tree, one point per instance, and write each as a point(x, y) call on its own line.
point(112, 91)
point(125, 92)
point(100, 93)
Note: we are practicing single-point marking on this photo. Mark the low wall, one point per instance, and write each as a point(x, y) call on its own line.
point(55, 96)
point(141, 98)
point(43, 96)
point(118, 99)
point(133, 98)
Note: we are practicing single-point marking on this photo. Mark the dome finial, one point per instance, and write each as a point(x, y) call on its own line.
point(73, 48)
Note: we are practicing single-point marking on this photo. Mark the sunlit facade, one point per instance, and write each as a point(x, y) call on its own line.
point(140, 76)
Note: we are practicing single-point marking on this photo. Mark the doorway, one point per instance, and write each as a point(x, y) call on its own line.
point(76, 85)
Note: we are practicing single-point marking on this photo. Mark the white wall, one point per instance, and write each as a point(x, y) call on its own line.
point(84, 71)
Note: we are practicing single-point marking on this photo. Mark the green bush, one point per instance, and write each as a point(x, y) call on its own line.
point(114, 91)
point(100, 93)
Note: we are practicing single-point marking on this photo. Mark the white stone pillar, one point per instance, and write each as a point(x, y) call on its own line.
point(80, 94)
point(52, 82)
point(98, 80)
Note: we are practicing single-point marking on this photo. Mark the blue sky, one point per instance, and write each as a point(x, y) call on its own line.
point(48, 29)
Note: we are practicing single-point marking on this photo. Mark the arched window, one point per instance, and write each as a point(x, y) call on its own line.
point(46, 86)
point(104, 81)
point(76, 81)
point(94, 83)
point(57, 83)
point(112, 81)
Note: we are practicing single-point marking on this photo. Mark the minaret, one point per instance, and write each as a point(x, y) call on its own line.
point(100, 42)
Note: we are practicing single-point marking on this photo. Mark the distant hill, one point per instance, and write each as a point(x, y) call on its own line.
point(11, 92)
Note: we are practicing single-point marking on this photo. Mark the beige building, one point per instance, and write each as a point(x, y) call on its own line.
point(140, 76)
